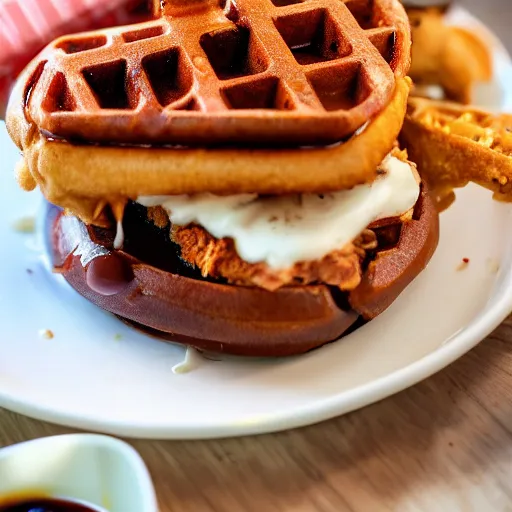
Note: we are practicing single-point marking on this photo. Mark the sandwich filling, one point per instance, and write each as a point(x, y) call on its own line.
point(295, 239)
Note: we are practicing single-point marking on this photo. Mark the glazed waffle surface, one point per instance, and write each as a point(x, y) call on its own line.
point(209, 72)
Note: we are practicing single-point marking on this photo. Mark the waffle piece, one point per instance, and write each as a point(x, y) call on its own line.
point(450, 57)
point(239, 320)
point(85, 179)
point(221, 72)
point(453, 145)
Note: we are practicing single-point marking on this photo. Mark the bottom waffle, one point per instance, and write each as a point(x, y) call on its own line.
point(147, 283)
point(454, 145)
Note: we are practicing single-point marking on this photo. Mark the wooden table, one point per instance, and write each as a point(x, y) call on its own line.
point(443, 445)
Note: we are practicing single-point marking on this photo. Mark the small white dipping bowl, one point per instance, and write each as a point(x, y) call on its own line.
point(101, 472)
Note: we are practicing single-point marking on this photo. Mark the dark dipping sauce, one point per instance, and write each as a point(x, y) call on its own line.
point(45, 505)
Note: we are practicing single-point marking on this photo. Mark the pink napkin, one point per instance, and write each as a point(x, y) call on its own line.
point(27, 26)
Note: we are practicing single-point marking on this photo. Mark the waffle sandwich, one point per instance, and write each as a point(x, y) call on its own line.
point(227, 175)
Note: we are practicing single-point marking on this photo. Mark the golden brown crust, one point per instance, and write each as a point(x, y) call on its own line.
point(453, 145)
point(451, 57)
point(158, 216)
point(79, 178)
point(203, 77)
point(219, 259)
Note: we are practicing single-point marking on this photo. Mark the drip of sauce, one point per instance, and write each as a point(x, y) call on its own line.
point(191, 361)
point(118, 211)
point(119, 239)
point(284, 230)
point(109, 274)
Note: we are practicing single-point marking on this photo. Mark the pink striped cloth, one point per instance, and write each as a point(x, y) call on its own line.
point(26, 26)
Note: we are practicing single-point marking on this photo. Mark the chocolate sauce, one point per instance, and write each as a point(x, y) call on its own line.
point(45, 505)
point(109, 275)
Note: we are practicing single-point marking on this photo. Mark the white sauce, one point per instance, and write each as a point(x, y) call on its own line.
point(119, 239)
point(283, 230)
point(191, 362)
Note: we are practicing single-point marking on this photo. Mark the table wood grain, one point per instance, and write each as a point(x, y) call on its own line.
point(442, 445)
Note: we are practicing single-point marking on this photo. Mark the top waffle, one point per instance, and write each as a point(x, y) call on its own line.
point(210, 72)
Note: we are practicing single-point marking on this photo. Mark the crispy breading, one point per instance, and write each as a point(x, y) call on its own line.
point(219, 259)
point(454, 145)
point(158, 216)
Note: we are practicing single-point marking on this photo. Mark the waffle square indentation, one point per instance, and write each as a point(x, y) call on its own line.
point(169, 74)
point(363, 11)
point(384, 39)
point(234, 52)
point(340, 87)
point(266, 93)
point(313, 36)
point(82, 44)
point(59, 98)
point(109, 84)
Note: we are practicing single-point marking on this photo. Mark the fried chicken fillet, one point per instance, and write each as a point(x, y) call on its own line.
point(219, 259)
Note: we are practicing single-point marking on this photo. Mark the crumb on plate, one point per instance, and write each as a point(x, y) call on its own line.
point(25, 225)
point(46, 334)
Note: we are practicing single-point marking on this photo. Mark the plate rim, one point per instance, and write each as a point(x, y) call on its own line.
point(454, 348)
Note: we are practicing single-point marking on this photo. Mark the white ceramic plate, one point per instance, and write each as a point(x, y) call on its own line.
point(96, 373)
